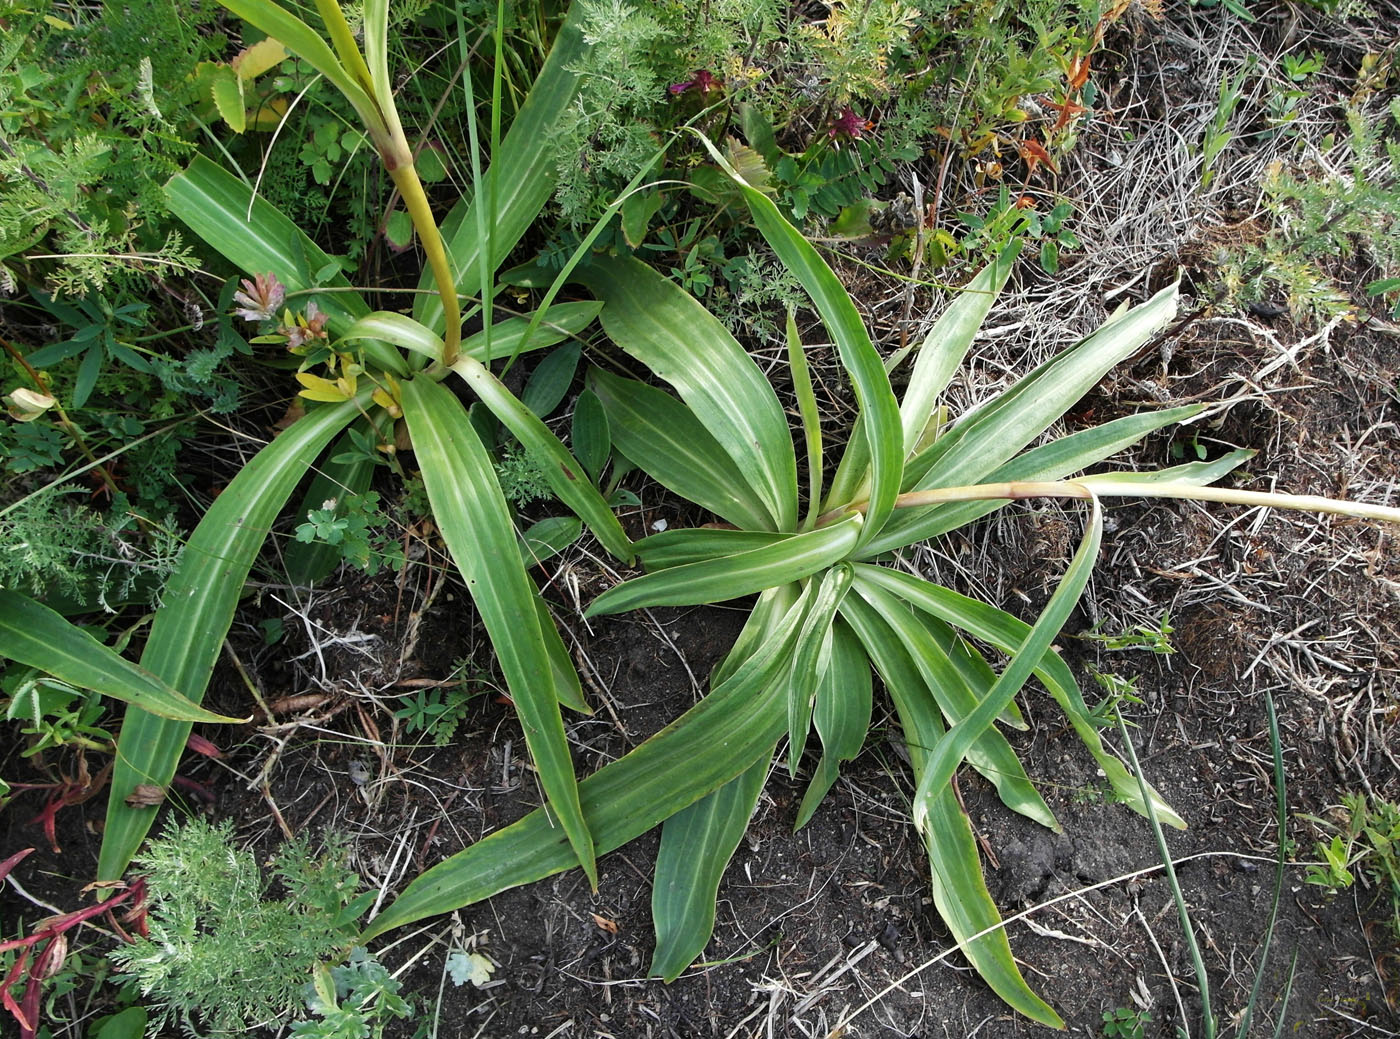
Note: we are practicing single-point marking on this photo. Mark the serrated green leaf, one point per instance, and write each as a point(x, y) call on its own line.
point(226, 88)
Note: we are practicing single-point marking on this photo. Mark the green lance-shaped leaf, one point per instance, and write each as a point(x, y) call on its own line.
point(696, 846)
point(1007, 633)
point(561, 321)
point(668, 330)
point(1052, 461)
point(994, 433)
point(716, 580)
point(959, 893)
point(476, 525)
point(36, 636)
point(811, 419)
point(256, 237)
point(195, 613)
point(951, 750)
point(693, 544)
point(715, 741)
point(590, 434)
point(990, 753)
point(879, 412)
point(938, 359)
point(568, 690)
point(533, 165)
point(842, 714)
point(812, 657)
point(663, 437)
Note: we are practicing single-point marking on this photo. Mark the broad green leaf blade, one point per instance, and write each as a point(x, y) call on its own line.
point(215, 205)
point(547, 538)
point(475, 524)
point(811, 658)
point(590, 434)
point(716, 580)
point(1052, 461)
point(765, 619)
point(842, 714)
point(879, 412)
point(951, 750)
point(309, 561)
point(715, 741)
point(959, 892)
point(568, 690)
point(696, 846)
point(665, 440)
point(1005, 632)
point(994, 433)
point(306, 43)
point(693, 544)
point(532, 166)
point(664, 327)
point(549, 382)
point(197, 608)
point(566, 477)
point(36, 636)
point(989, 753)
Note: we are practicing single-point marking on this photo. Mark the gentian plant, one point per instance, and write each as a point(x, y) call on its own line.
point(833, 606)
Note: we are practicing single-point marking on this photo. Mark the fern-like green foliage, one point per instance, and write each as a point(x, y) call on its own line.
point(223, 957)
point(1347, 207)
point(86, 110)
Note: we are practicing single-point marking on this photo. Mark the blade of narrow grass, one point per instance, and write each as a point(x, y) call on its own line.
point(811, 421)
point(1281, 815)
point(476, 525)
point(194, 617)
point(35, 636)
point(712, 743)
point(959, 892)
point(951, 750)
point(715, 580)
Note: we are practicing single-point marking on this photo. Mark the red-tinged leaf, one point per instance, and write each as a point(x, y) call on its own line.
point(14, 860)
point(1034, 154)
point(200, 745)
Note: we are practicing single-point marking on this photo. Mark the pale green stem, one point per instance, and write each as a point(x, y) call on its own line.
point(1115, 487)
point(405, 178)
point(343, 39)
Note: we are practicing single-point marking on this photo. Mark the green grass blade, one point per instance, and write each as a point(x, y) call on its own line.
point(712, 743)
point(664, 327)
point(1005, 632)
point(665, 440)
point(566, 477)
point(696, 846)
point(476, 525)
point(197, 608)
point(36, 636)
point(950, 751)
point(959, 893)
point(532, 171)
point(879, 412)
point(990, 436)
point(716, 580)
point(1052, 461)
point(841, 714)
point(811, 420)
point(215, 205)
point(811, 658)
point(989, 753)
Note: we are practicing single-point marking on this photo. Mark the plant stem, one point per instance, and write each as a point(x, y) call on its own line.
point(405, 178)
point(1115, 487)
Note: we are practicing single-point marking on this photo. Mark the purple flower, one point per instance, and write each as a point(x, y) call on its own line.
point(260, 297)
point(849, 125)
point(704, 81)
